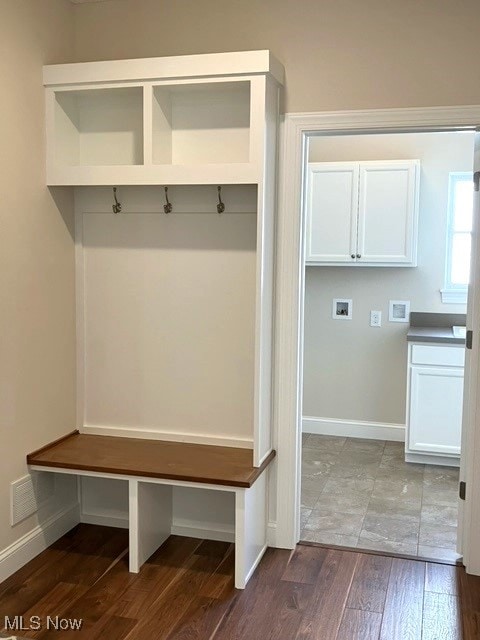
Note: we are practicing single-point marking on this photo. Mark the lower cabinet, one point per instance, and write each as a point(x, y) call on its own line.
point(435, 393)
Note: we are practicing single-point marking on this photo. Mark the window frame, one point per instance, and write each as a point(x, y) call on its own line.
point(453, 293)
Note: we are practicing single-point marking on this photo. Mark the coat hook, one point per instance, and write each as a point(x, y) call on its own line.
point(167, 207)
point(220, 205)
point(116, 206)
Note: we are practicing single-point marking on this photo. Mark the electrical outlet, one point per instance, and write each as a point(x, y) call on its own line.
point(375, 318)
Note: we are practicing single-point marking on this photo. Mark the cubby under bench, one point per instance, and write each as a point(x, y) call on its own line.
point(152, 468)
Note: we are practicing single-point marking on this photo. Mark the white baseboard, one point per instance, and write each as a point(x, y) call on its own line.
point(169, 436)
point(256, 563)
point(15, 556)
point(209, 533)
point(272, 534)
point(354, 429)
point(191, 529)
point(119, 522)
point(440, 461)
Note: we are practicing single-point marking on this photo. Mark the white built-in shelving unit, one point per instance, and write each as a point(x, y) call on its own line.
point(179, 122)
point(187, 120)
point(174, 310)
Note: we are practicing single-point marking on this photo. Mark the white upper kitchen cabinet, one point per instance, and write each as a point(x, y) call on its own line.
point(332, 203)
point(363, 213)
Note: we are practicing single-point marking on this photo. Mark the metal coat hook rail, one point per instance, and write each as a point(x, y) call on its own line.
point(220, 205)
point(116, 206)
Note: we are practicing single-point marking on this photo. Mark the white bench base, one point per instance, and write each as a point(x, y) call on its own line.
point(150, 517)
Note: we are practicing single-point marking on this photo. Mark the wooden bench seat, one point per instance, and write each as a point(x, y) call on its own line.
point(183, 461)
point(152, 468)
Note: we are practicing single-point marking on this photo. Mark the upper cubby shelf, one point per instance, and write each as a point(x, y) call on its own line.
point(207, 123)
point(185, 120)
point(99, 127)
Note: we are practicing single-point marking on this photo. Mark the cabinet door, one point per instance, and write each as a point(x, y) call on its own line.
point(331, 206)
point(388, 212)
point(436, 399)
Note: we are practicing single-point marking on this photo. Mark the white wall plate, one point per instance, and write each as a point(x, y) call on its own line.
point(399, 311)
point(342, 309)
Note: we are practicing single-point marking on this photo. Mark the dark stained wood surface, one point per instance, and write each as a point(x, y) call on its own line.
point(442, 579)
point(441, 618)
point(370, 583)
point(360, 625)
point(185, 592)
point(402, 616)
point(323, 616)
point(305, 565)
point(181, 461)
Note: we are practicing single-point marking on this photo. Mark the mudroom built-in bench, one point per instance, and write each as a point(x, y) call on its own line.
point(152, 468)
point(172, 164)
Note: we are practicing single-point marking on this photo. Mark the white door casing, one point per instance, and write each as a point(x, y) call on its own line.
point(289, 303)
point(469, 512)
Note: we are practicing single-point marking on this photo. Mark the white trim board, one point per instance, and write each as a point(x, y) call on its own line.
point(232, 63)
point(439, 461)
point(450, 296)
point(354, 429)
point(213, 532)
point(256, 562)
point(189, 529)
point(296, 129)
point(15, 556)
point(105, 520)
point(148, 479)
point(169, 436)
point(272, 534)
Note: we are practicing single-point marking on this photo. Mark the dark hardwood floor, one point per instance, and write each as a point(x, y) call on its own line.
point(185, 592)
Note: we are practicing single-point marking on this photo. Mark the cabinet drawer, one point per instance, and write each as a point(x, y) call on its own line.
point(448, 356)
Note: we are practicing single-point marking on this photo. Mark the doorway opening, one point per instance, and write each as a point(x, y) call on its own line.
point(388, 228)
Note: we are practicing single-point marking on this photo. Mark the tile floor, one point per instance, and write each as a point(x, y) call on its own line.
point(362, 493)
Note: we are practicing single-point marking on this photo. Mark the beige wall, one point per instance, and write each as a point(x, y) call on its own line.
point(339, 54)
point(354, 371)
point(37, 335)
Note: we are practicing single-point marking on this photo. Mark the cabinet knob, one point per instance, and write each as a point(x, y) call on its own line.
point(359, 255)
point(353, 256)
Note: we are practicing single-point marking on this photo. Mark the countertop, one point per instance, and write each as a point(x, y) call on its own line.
point(435, 327)
point(433, 334)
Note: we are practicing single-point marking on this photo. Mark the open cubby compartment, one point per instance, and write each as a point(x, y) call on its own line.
point(99, 127)
point(201, 123)
point(194, 509)
point(104, 501)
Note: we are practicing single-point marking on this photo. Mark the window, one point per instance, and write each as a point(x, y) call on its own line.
point(459, 238)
